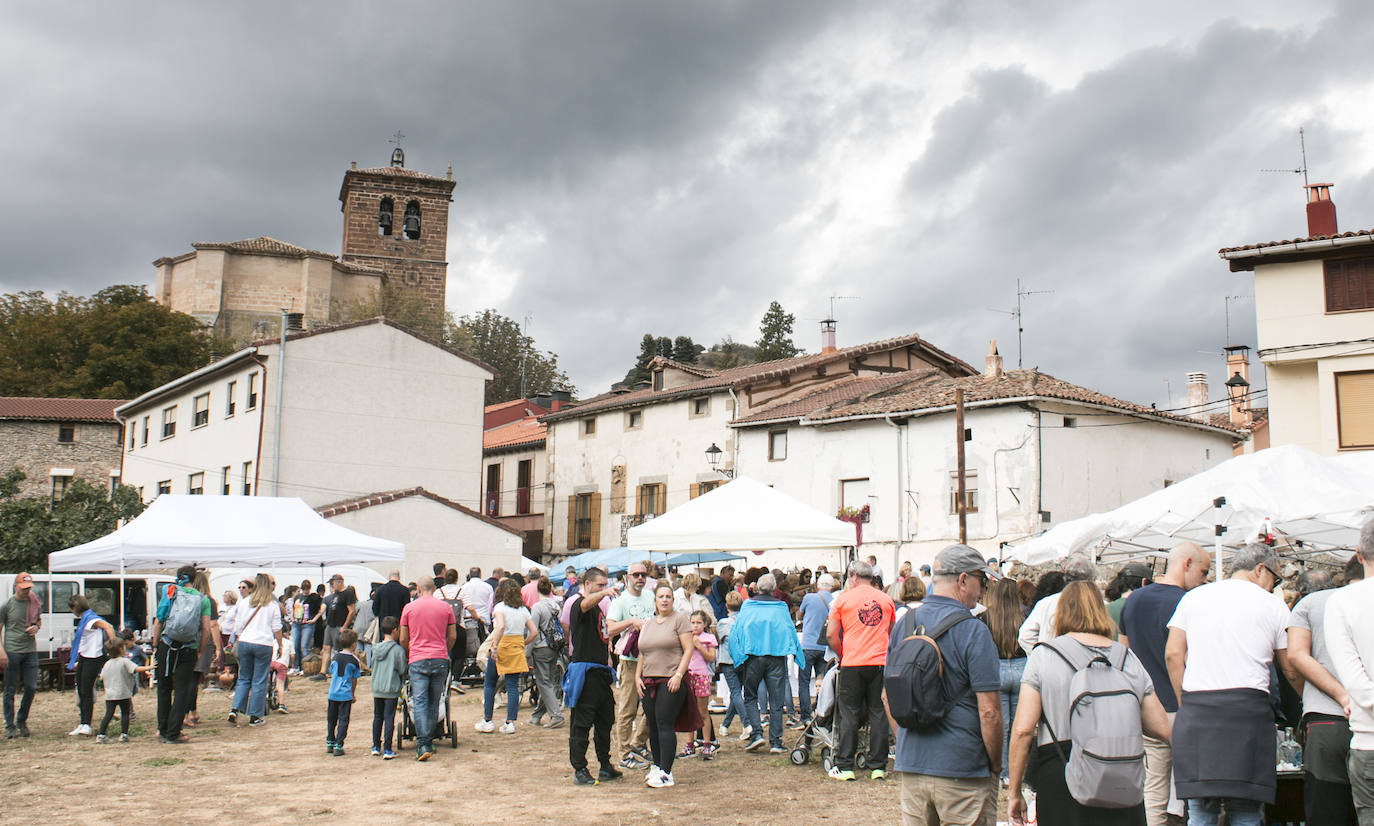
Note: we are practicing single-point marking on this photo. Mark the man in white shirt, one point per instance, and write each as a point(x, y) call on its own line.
point(1039, 625)
point(1222, 638)
point(1350, 644)
point(477, 594)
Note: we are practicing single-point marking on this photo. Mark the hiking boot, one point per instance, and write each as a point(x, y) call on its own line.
point(837, 773)
point(582, 777)
point(608, 774)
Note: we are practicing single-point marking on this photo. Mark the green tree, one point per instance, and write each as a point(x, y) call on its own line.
point(499, 341)
point(775, 335)
point(116, 344)
point(405, 306)
point(33, 527)
point(648, 351)
point(727, 353)
point(686, 351)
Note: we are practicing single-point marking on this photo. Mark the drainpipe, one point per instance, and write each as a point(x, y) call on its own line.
point(901, 493)
point(734, 440)
point(281, 380)
point(1039, 473)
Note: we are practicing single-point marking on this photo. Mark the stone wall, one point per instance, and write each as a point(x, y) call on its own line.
point(32, 447)
point(418, 264)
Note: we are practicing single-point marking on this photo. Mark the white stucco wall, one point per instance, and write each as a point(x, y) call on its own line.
point(1290, 308)
point(433, 532)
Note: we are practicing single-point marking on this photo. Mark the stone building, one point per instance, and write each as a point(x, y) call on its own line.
point(395, 230)
point(57, 440)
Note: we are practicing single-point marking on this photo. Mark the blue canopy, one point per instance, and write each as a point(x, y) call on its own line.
point(618, 559)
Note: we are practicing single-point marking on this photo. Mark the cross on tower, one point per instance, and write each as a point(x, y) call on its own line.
point(397, 138)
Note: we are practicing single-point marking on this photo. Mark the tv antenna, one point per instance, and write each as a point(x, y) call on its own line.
point(1302, 150)
point(524, 352)
point(835, 298)
point(1229, 299)
point(1016, 314)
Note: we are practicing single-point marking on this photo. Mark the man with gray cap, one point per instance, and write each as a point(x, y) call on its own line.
point(1222, 639)
point(1039, 625)
point(949, 771)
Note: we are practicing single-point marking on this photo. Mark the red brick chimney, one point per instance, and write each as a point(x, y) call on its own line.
point(1238, 385)
point(828, 336)
point(1321, 212)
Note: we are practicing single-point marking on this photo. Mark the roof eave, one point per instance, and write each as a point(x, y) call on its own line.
point(1245, 259)
point(190, 378)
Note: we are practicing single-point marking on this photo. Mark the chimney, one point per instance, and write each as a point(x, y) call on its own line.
point(1238, 385)
point(828, 336)
point(1321, 212)
point(992, 365)
point(1197, 395)
point(563, 396)
point(295, 322)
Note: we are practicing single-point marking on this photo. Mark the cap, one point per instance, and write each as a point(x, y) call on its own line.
point(961, 559)
point(23, 580)
point(925, 569)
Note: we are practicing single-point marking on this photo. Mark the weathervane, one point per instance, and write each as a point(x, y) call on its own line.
point(398, 155)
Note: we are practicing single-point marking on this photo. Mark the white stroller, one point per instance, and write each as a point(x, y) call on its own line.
point(821, 730)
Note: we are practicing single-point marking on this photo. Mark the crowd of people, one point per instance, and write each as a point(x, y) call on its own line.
point(1154, 699)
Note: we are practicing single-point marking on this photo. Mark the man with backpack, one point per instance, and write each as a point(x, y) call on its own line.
point(948, 712)
point(860, 621)
point(180, 627)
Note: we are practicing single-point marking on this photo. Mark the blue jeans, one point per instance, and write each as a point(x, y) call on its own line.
point(735, 708)
point(427, 679)
point(1204, 811)
point(812, 669)
point(1011, 689)
point(255, 669)
point(771, 673)
point(301, 637)
point(22, 668)
point(489, 692)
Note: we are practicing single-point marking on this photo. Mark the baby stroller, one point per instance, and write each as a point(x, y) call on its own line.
point(821, 730)
point(443, 723)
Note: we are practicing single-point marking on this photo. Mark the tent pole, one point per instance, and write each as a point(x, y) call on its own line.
point(1218, 530)
point(121, 593)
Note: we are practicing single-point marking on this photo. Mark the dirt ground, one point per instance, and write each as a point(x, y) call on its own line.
point(279, 773)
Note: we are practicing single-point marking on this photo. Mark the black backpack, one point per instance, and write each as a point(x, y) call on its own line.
point(914, 675)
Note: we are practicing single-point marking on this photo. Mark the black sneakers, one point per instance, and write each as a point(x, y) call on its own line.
point(582, 777)
point(607, 774)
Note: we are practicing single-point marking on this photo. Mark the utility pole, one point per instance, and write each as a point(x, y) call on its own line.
point(960, 504)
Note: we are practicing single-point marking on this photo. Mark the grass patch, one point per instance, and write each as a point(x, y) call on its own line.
point(162, 761)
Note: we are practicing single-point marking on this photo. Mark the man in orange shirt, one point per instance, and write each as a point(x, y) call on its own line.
point(859, 624)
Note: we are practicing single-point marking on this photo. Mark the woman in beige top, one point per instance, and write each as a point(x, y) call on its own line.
point(665, 650)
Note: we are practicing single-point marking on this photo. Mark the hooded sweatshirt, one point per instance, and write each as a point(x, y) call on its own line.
point(388, 665)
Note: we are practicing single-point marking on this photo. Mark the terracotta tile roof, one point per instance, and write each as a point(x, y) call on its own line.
point(1354, 234)
point(492, 408)
point(750, 373)
point(371, 499)
point(848, 390)
point(935, 390)
point(262, 245)
point(527, 431)
point(379, 320)
point(693, 369)
point(64, 410)
point(398, 172)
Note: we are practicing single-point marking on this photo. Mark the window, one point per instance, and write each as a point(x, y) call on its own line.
point(698, 488)
point(1070, 421)
point(229, 398)
point(658, 380)
point(61, 480)
point(589, 427)
point(61, 593)
point(252, 391)
point(970, 491)
point(1349, 284)
point(131, 437)
point(855, 494)
point(114, 482)
point(699, 407)
point(224, 480)
point(634, 419)
point(200, 411)
point(247, 478)
point(145, 430)
point(777, 445)
point(651, 499)
point(384, 213)
point(195, 484)
point(169, 422)
point(165, 486)
point(524, 478)
point(493, 492)
point(66, 433)
point(1355, 409)
point(584, 520)
point(412, 220)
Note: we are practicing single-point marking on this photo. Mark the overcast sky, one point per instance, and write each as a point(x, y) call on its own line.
point(666, 167)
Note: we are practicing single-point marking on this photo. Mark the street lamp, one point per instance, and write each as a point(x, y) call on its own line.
point(713, 455)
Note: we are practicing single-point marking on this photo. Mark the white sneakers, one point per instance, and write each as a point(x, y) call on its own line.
point(82, 730)
point(724, 730)
point(657, 778)
point(506, 728)
point(485, 726)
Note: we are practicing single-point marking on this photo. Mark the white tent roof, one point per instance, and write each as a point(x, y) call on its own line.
point(247, 531)
point(1306, 497)
point(741, 515)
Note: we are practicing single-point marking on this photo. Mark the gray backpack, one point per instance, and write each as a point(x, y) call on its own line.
point(1105, 766)
point(183, 618)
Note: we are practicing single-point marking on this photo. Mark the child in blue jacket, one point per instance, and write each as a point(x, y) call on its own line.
point(343, 674)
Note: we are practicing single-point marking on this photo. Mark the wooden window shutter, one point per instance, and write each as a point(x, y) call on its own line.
point(596, 521)
point(1349, 284)
point(695, 490)
point(572, 522)
point(639, 500)
point(1355, 409)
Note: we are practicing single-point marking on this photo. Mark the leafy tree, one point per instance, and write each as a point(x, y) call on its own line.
point(727, 353)
point(403, 305)
point(648, 351)
point(775, 335)
point(33, 527)
point(686, 351)
point(499, 341)
point(116, 344)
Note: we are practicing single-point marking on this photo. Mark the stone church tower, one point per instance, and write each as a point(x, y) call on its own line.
point(396, 220)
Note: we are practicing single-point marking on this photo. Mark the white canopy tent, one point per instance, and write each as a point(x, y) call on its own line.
point(1309, 503)
point(741, 515)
